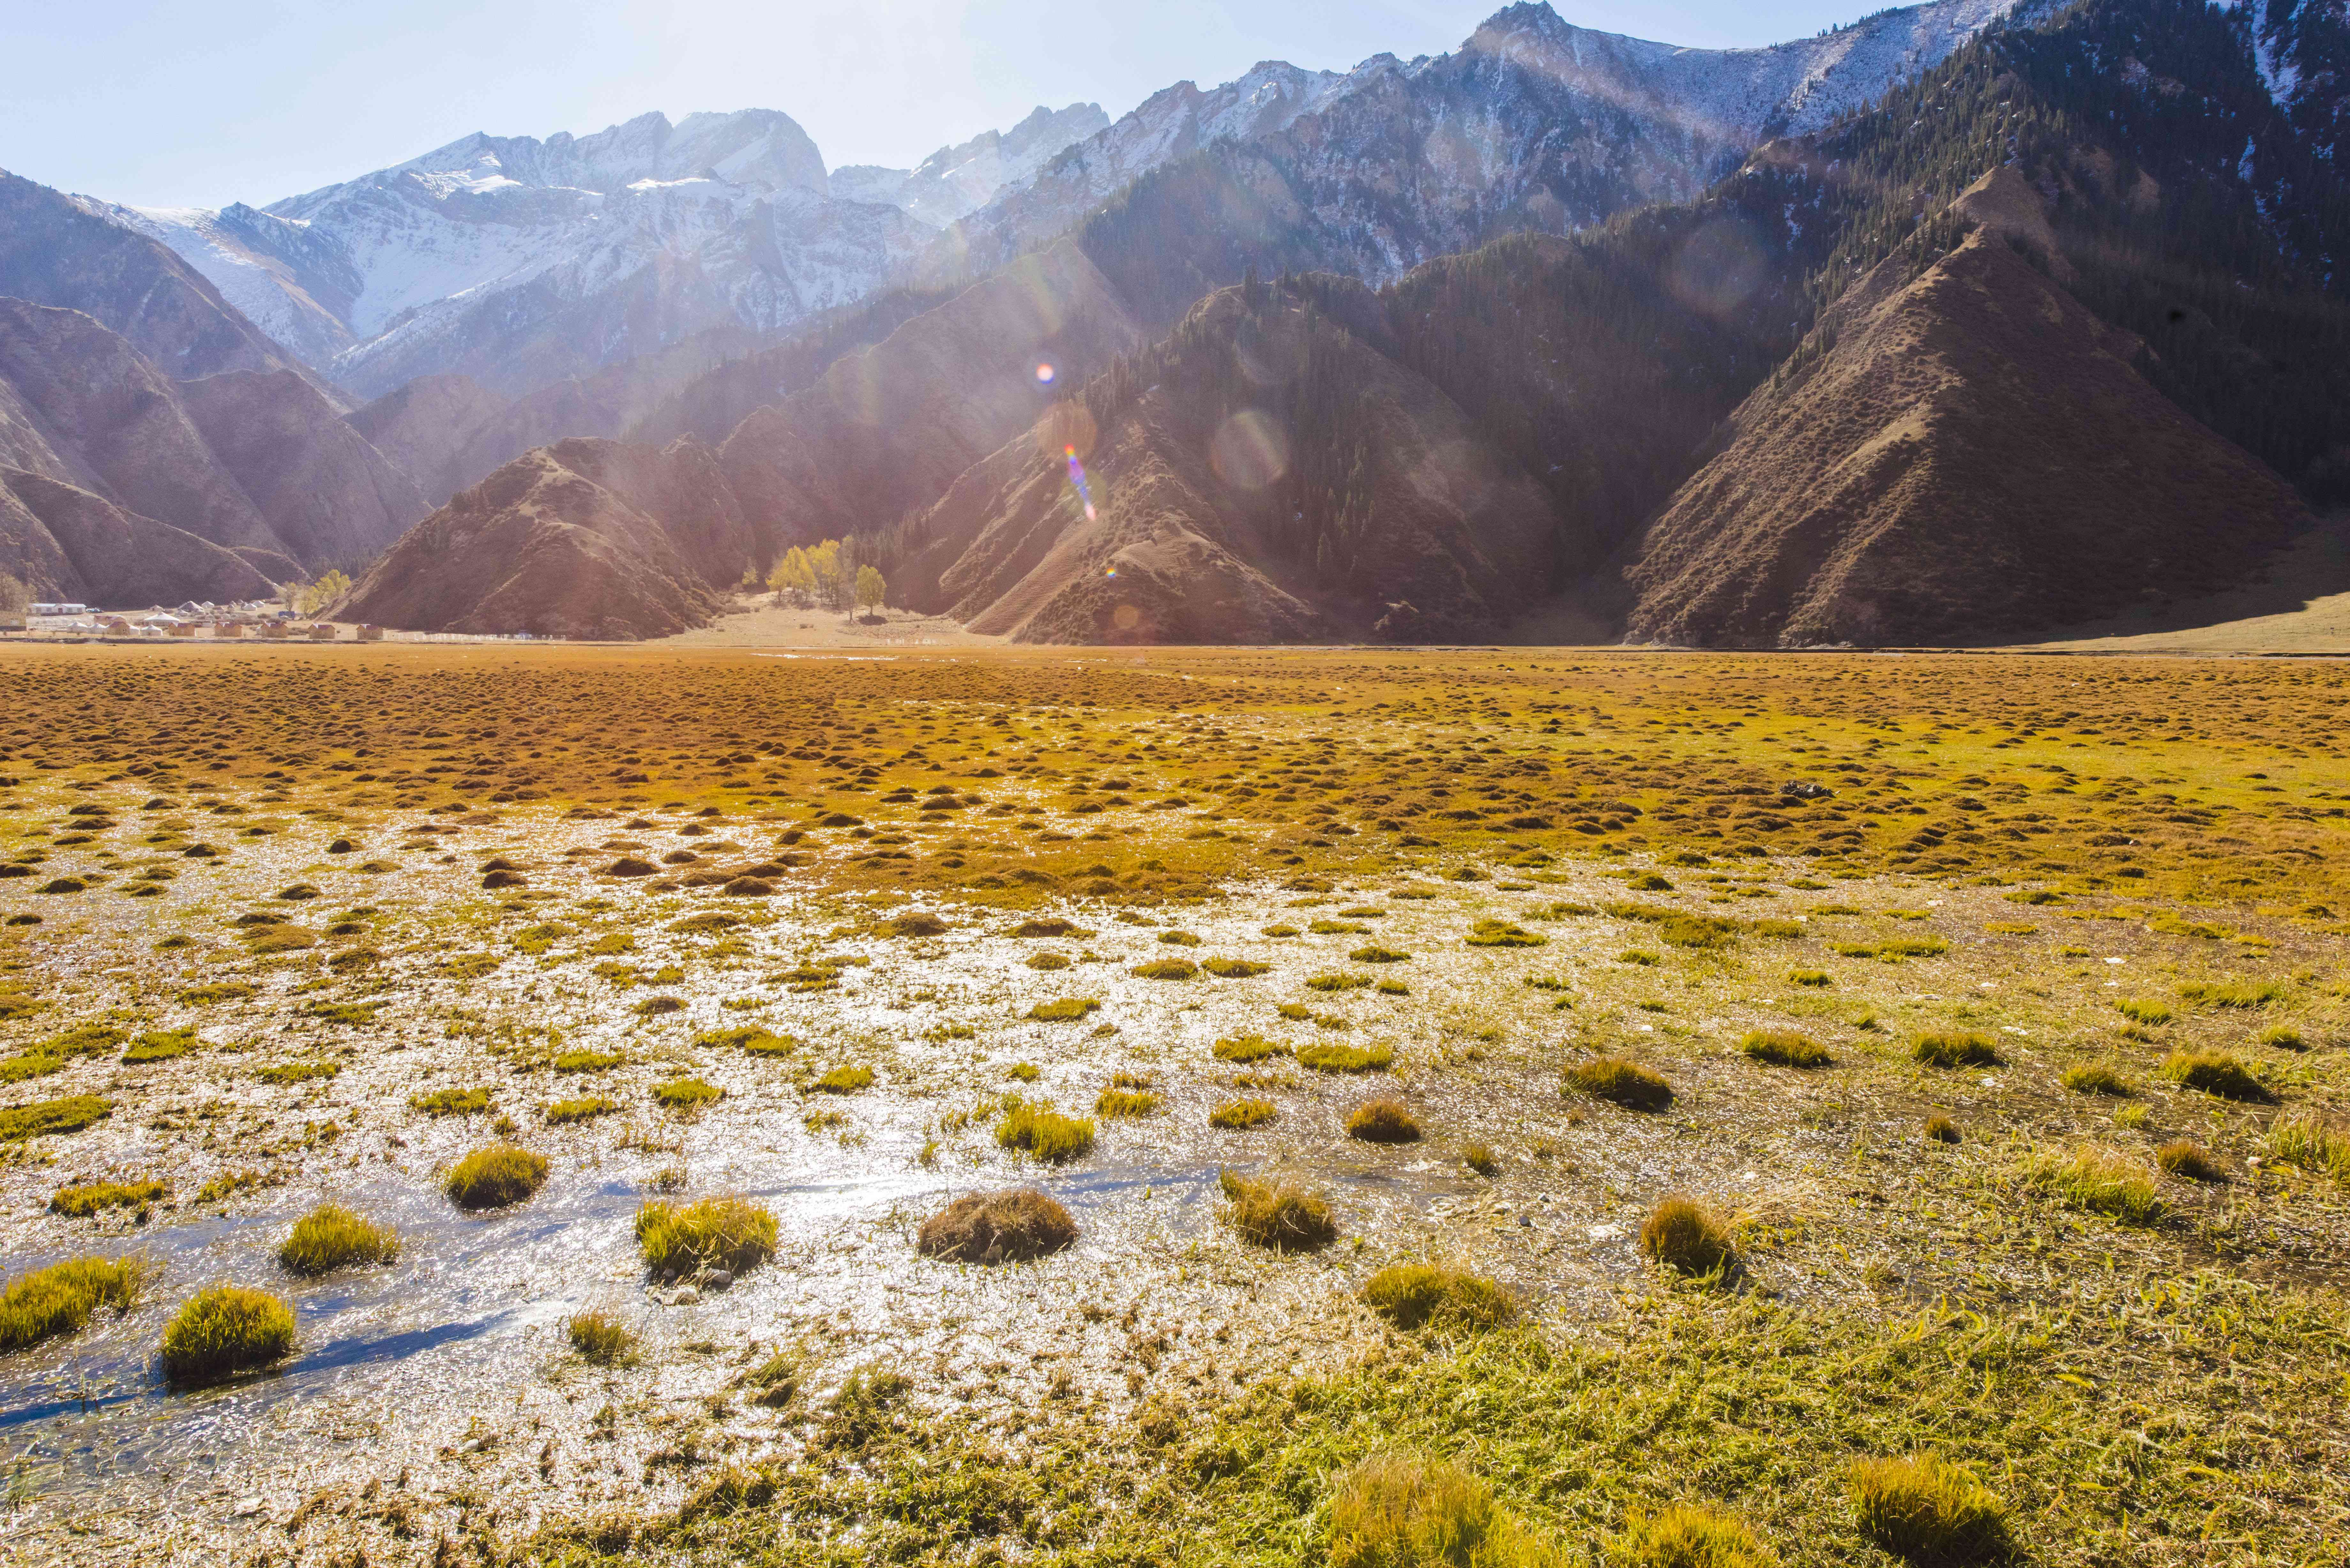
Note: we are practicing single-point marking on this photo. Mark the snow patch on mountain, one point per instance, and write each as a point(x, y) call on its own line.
point(955, 179)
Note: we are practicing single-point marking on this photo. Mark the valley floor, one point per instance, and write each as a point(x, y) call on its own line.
point(306, 926)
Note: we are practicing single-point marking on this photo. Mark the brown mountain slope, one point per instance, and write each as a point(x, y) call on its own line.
point(544, 547)
point(65, 543)
point(886, 431)
point(1976, 454)
point(1265, 473)
point(425, 426)
point(327, 497)
point(124, 424)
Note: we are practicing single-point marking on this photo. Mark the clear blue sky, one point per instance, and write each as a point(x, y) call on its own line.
point(203, 102)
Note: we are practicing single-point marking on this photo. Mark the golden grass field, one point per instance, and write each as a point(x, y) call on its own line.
point(1464, 959)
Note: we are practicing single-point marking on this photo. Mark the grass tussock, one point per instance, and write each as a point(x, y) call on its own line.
point(494, 1178)
point(1404, 1509)
point(49, 1117)
point(585, 1108)
point(688, 1094)
point(2187, 1160)
point(2310, 1141)
point(331, 1237)
point(1785, 1048)
point(601, 1339)
point(1331, 1057)
point(1281, 1216)
point(1503, 934)
point(1621, 1083)
point(2095, 1078)
point(730, 1234)
point(2098, 1181)
point(1940, 1128)
point(1686, 1537)
point(1950, 1050)
point(1067, 1010)
point(452, 1102)
point(1239, 1115)
point(2153, 1015)
point(1383, 1121)
point(2231, 993)
point(1167, 969)
point(59, 1299)
point(1931, 1512)
point(1410, 1295)
point(1682, 1233)
point(588, 1061)
point(1248, 1048)
point(844, 1081)
point(2215, 1073)
point(1112, 1105)
point(223, 1331)
point(1045, 1134)
point(1234, 969)
point(83, 1199)
point(1015, 1226)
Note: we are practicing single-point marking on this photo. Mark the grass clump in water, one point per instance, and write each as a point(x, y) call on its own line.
point(601, 1339)
point(88, 1197)
point(72, 1114)
point(1683, 1234)
point(2098, 1181)
point(1403, 1509)
point(1046, 1134)
point(685, 1094)
point(225, 1330)
point(2095, 1078)
point(1928, 1511)
point(1333, 1057)
point(1410, 1295)
point(1167, 968)
point(1248, 1048)
point(1685, 1537)
point(1503, 934)
point(1113, 1104)
point(1953, 1051)
point(1622, 1082)
point(1282, 1215)
point(1383, 1121)
point(711, 1233)
point(494, 1178)
point(331, 1237)
point(2215, 1073)
point(580, 1110)
point(1068, 1010)
point(60, 1298)
point(452, 1102)
point(1238, 1116)
point(1785, 1048)
point(1015, 1226)
point(588, 1061)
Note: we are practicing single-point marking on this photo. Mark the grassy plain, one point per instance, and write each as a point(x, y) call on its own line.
point(1605, 930)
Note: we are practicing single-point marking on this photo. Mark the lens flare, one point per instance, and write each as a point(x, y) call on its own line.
point(1077, 478)
point(1044, 374)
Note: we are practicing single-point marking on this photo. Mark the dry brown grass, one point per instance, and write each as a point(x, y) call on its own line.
point(1015, 1226)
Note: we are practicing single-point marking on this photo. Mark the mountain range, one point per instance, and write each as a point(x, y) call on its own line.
point(1721, 346)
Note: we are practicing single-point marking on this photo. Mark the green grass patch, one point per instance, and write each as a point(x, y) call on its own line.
point(1167, 969)
point(587, 1109)
point(223, 1331)
point(1952, 1050)
point(1332, 1056)
point(1045, 1134)
point(1622, 1082)
point(2153, 1015)
point(1239, 1115)
point(1234, 969)
point(845, 1081)
point(686, 1094)
point(1785, 1048)
point(452, 1102)
point(332, 1237)
point(70, 1115)
point(2310, 1141)
point(1411, 1296)
point(2231, 993)
point(59, 1299)
point(730, 1234)
point(218, 990)
point(2095, 1078)
point(161, 1045)
point(588, 1060)
point(2097, 1179)
point(1281, 1216)
point(1338, 979)
point(1923, 1508)
point(283, 1073)
point(1401, 1508)
point(1114, 1105)
point(601, 1339)
point(1067, 1010)
point(85, 1199)
point(2215, 1073)
point(1503, 934)
point(494, 1178)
